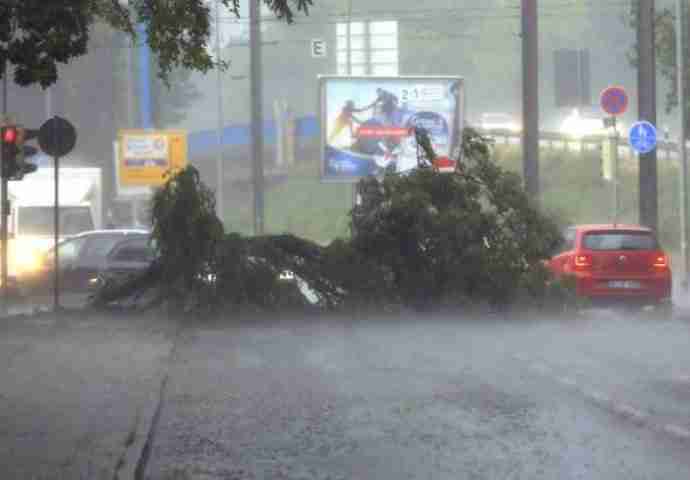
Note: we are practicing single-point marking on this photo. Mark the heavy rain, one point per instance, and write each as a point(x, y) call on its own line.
point(339, 239)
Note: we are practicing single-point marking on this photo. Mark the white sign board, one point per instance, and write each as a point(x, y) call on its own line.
point(127, 191)
point(150, 149)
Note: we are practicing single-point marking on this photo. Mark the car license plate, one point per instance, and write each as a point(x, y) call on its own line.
point(624, 284)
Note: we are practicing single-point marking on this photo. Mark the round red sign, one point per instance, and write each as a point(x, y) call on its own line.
point(614, 100)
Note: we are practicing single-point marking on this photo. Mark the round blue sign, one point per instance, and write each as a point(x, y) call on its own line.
point(642, 137)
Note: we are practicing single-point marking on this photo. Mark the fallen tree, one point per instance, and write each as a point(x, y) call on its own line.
point(418, 239)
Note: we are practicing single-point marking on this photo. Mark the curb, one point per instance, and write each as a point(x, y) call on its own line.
point(139, 441)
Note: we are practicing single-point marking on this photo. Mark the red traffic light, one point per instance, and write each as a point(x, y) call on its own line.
point(9, 135)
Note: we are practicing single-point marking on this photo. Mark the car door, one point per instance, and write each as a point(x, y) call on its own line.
point(94, 258)
point(69, 252)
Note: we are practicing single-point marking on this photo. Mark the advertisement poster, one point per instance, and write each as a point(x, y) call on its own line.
point(145, 156)
point(367, 123)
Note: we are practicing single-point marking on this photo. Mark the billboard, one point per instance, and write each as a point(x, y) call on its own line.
point(367, 122)
point(146, 155)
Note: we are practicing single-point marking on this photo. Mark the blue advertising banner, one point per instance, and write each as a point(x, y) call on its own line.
point(367, 123)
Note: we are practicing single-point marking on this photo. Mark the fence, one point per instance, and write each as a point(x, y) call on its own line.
point(554, 140)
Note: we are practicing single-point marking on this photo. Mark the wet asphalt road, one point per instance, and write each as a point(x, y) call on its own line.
point(601, 397)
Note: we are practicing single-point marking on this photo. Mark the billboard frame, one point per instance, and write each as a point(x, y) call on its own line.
point(456, 129)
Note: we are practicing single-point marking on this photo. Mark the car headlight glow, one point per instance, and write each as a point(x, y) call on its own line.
point(26, 258)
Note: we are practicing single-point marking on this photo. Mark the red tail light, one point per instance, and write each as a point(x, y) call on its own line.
point(660, 261)
point(582, 262)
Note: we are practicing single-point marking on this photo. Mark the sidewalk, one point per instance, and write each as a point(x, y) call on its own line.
point(42, 303)
point(78, 392)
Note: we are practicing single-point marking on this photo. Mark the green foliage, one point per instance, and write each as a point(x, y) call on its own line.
point(51, 32)
point(538, 289)
point(186, 232)
point(41, 34)
point(471, 234)
point(419, 239)
point(574, 191)
point(666, 48)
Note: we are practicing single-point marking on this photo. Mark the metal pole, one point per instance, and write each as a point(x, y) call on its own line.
point(348, 49)
point(681, 62)
point(4, 200)
point(256, 93)
point(220, 204)
point(56, 224)
point(131, 107)
point(614, 167)
point(56, 235)
point(530, 97)
point(646, 85)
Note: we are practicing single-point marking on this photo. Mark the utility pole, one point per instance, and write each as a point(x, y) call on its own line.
point(220, 172)
point(682, 66)
point(256, 88)
point(348, 49)
point(646, 96)
point(530, 97)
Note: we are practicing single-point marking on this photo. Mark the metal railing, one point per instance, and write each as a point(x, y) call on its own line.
point(555, 140)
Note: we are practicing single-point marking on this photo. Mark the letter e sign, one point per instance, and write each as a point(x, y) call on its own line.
point(318, 48)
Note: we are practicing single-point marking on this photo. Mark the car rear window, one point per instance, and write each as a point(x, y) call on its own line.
point(619, 241)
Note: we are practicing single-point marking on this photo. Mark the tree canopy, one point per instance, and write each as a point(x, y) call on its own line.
point(36, 36)
point(665, 43)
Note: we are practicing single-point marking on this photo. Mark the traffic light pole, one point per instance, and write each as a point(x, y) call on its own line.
point(4, 207)
point(56, 234)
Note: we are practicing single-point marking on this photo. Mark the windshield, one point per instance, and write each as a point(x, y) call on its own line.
point(620, 241)
point(40, 220)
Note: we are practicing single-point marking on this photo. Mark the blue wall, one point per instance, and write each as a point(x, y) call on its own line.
point(205, 141)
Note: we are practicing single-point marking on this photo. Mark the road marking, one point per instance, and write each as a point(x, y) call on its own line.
point(567, 381)
point(677, 431)
point(627, 411)
point(631, 412)
point(597, 397)
point(521, 357)
point(540, 368)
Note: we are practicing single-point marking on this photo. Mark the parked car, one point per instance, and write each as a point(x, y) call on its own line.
point(615, 262)
point(84, 257)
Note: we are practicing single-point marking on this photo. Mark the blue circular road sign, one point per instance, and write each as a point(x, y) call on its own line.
point(643, 137)
point(614, 101)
